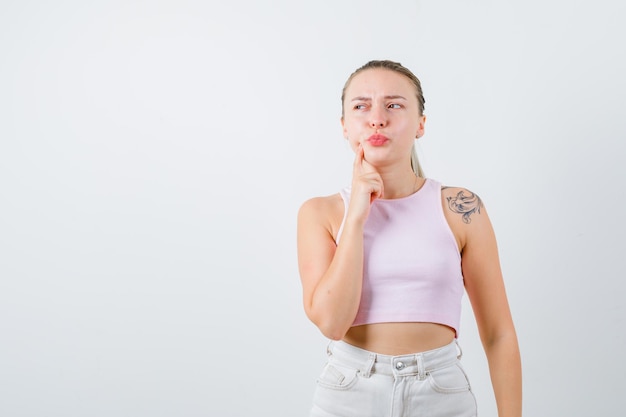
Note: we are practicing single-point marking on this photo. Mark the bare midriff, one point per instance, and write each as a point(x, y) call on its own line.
point(399, 338)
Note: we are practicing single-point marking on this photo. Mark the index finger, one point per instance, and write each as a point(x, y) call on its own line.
point(359, 157)
point(361, 166)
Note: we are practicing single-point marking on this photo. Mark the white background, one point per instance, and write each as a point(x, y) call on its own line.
point(154, 154)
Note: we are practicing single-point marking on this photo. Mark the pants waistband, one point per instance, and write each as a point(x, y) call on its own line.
point(402, 365)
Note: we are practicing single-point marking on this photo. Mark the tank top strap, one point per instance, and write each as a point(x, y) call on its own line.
point(345, 196)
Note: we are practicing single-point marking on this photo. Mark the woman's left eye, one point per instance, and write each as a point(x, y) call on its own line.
point(394, 106)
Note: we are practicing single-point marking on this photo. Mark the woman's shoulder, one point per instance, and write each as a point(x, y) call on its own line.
point(326, 211)
point(464, 211)
point(463, 201)
point(458, 191)
point(322, 204)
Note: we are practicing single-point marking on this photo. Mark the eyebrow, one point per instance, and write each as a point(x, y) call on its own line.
point(390, 97)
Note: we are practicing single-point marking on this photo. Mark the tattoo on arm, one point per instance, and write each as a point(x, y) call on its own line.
point(465, 203)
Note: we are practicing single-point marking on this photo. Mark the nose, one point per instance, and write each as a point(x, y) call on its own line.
point(378, 118)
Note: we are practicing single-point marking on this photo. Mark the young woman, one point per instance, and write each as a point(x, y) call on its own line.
point(384, 264)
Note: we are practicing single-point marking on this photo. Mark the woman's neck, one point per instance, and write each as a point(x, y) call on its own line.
point(398, 184)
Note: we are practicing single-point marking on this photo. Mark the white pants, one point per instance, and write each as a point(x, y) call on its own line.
point(359, 383)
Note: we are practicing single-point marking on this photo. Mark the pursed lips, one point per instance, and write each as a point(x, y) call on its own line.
point(377, 139)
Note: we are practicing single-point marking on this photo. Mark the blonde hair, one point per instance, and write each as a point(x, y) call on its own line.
point(400, 69)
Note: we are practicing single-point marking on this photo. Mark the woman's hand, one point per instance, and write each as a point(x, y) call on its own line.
point(367, 185)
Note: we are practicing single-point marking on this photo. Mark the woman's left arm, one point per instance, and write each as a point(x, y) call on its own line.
point(486, 291)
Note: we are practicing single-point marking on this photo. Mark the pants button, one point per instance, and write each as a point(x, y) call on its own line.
point(399, 365)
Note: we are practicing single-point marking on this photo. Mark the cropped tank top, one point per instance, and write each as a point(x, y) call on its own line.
point(412, 265)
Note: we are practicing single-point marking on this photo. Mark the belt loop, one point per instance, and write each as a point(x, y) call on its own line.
point(329, 348)
point(460, 355)
point(369, 365)
point(421, 371)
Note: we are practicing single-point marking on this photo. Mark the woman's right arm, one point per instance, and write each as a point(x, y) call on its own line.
point(332, 274)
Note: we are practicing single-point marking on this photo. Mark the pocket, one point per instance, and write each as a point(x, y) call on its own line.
point(449, 380)
point(338, 377)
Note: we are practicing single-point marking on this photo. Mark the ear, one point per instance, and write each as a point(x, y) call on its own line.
point(420, 127)
point(343, 128)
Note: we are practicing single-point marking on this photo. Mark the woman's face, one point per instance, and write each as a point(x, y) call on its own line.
point(381, 113)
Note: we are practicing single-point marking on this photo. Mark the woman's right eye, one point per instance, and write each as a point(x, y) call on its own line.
point(359, 106)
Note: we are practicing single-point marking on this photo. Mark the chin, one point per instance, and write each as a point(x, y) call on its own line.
point(376, 154)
